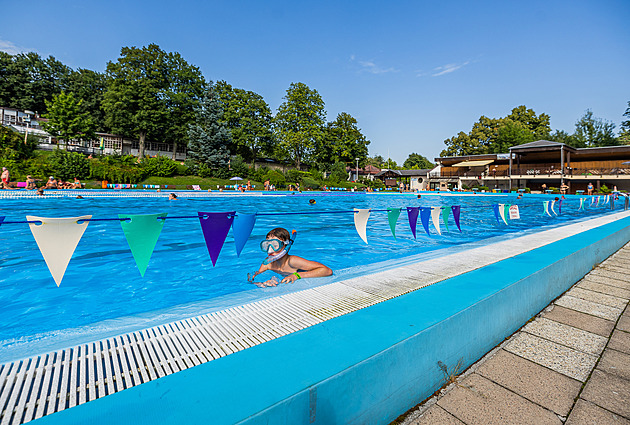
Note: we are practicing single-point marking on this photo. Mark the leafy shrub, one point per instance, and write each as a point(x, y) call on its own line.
point(238, 167)
point(309, 183)
point(260, 174)
point(182, 169)
point(67, 165)
point(160, 166)
point(604, 189)
point(276, 178)
point(338, 173)
point(117, 169)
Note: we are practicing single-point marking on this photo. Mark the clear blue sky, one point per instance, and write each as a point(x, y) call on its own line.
point(413, 73)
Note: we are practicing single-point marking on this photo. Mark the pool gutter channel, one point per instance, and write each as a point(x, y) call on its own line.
point(40, 385)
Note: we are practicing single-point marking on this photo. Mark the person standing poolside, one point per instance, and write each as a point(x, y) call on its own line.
point(5, 178)
point(590, 188)
point(277, 246)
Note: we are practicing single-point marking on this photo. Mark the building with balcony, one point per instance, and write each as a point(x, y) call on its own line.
point(539, 163)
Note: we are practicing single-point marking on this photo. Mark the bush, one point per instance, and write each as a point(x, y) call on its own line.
point(483, 188)
point(238, 167)
point(182, 169)
point(309, 183)
point(160, 166)
point(338, 173)
point(276, 178)
point(117, 169)
point(604, 189)
point(67, 165)
point(297, 176)
point(260, 174)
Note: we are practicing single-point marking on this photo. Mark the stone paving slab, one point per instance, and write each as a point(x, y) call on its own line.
point(615, 363)
point(537, 383)
point(607, 281)
point(610, 274)
point(580, 320)
point(605, 289)
point(620, 341)
point(608, 391)
point(598, 297)
point(587, 413)
point(624, 322)
point(589, 307)
point(569, 336)
point(479, 401)
point(437, 415)
point(562, 359)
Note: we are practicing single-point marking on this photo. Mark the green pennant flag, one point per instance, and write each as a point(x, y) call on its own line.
point(445, 213)
point(392, 217)
point(142, 233)
point(506, 212)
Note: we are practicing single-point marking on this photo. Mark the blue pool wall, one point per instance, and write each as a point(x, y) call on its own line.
point(369, 366)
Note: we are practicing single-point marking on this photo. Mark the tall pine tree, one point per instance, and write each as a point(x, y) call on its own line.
point(208, 137)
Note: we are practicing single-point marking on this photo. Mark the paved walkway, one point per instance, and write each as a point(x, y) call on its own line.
point(570, 365)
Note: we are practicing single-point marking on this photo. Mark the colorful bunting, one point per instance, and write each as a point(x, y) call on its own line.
point(57, 238)
point(495, 208)
point(435, 218)
point(412, 215)
point(501, 209)
point(551, 204)
point(445, 213)
point(425, 215)
point(546, 207)
point(215, 227)
point(392, 217)
point(142, 233)
point(456, 211)
point(361, 216)
point(241, 229)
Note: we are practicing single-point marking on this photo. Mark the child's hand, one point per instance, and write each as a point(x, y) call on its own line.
point(271, 282)
point(289, 279)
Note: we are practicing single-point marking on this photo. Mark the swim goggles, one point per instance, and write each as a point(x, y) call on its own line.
point(274, 244)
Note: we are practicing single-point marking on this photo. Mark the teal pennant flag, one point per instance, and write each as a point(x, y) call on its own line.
point(392, 217)
point(445, 213)
point(142, 233)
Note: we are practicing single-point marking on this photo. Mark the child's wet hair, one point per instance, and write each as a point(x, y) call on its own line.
point(280, 233)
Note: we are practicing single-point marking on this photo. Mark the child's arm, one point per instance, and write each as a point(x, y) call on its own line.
point(311, 269)
point(262, 268)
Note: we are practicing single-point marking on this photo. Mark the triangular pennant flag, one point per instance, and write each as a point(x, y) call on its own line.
point(456, 211)
point(57, 238)
point(546, 207)
point(412, 214)
point(560, 206)
point(597, 201)
point(495, 208)
point(551, 204)
point(503, 209)
point(142, 233)
point(581, 204)
point(361, 216)
point(215, 227)
point(241, 229)
point(425, 215)
point(1, 219)
point(392, 217)
point(445, 213)
point(435, 218)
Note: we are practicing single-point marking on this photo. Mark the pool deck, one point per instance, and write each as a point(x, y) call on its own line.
point(569, 365)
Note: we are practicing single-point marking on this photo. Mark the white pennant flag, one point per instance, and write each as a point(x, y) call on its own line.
point(435, 217)
point(551, 207)
point(57, 238)
point(360, 221)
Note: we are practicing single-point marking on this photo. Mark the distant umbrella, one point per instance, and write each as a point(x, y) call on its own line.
point(236, 178)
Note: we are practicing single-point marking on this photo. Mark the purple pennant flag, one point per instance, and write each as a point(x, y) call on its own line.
point(425, 215)
point(215, 227)
point(495, 208)
point(560, 206)
point(241, 229)
point(456, 210)
point(412, 213)
point(1, 219)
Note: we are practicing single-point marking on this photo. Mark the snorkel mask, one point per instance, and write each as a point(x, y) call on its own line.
point(271, 246)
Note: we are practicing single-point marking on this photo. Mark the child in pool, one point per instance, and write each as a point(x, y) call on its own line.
point(277, 246)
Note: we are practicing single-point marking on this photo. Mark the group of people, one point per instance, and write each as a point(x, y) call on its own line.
point(51, 183)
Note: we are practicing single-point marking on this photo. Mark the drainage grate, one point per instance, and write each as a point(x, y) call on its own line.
point(41, 385)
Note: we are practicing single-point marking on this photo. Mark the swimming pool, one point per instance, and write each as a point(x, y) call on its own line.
point(103, 291)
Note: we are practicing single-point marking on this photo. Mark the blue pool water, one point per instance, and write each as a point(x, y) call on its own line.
point(102, 289)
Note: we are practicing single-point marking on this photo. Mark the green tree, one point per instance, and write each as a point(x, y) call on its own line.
point(67, 120)
point(624, 133)
point(510, 133)
point(460, 145)
point(538, 125)
point(562, 136)
point(299, 122)
point(67, 165)
point(248, 117)
point(342, 141)
point(593, 132)
point(151, 94)
point(417, 162)
point(208, 136)
point(89, 87)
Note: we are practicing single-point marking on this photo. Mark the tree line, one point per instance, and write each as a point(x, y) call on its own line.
point(150, 94)
point(523, 125)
